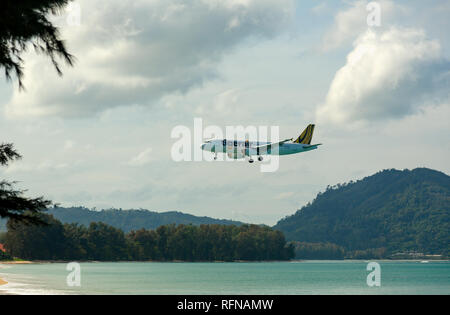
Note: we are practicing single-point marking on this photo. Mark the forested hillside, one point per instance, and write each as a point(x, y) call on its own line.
point(128, 220)
point(392, 211)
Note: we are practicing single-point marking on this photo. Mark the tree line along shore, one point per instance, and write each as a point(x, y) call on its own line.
point(101, 242)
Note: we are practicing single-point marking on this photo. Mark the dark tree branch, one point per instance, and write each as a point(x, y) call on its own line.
point(13, 204)
point(26, 22)
point(8, 153)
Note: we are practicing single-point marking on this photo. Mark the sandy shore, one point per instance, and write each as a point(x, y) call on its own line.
point(14, 262)
point(3, 282)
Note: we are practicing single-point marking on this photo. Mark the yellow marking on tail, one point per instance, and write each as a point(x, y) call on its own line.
point(306, 136)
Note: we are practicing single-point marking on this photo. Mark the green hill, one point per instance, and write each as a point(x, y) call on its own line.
point(128, 220)
point(395, 211)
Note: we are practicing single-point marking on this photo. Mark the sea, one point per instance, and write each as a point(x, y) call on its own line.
point(255, 278)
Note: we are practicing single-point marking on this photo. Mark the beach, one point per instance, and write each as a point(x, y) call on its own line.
point(4, 289)
point(14, 262)
point(2, 282)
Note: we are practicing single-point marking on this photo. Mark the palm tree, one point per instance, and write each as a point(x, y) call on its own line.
point(27, 22)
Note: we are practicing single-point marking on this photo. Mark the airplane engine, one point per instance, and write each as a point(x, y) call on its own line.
point(236, 155)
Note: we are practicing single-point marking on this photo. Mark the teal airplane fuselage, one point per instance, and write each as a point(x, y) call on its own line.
point(249, 148)
point(240, 149)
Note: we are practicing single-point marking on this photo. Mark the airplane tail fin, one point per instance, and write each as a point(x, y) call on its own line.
point(306, 136)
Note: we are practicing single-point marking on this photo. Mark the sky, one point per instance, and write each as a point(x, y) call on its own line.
point(376, 86)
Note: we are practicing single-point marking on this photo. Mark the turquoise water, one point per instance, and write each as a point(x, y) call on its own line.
point(305, 277)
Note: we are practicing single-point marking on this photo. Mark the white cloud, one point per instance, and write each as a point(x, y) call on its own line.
point(43, 166)
point(224, 103)
point(142, 158)
point(351, 22)
point(135, 52)
point(69, 144)
point(320, 8)
point(284, 195)
point(387, 74)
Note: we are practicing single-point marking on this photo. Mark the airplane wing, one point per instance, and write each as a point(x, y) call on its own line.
point(266, 147)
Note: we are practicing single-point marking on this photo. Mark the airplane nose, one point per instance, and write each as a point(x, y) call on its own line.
point(203, 146)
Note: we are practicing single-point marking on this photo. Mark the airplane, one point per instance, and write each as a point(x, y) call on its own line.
point(236, 149)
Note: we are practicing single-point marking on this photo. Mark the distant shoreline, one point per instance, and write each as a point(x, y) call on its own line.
point(15, 262)
point(26, 262)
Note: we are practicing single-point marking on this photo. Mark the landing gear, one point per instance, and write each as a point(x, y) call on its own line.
point(215, 157)
point(251, 160)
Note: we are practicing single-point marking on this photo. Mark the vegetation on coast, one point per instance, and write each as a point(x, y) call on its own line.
point(99, 241)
